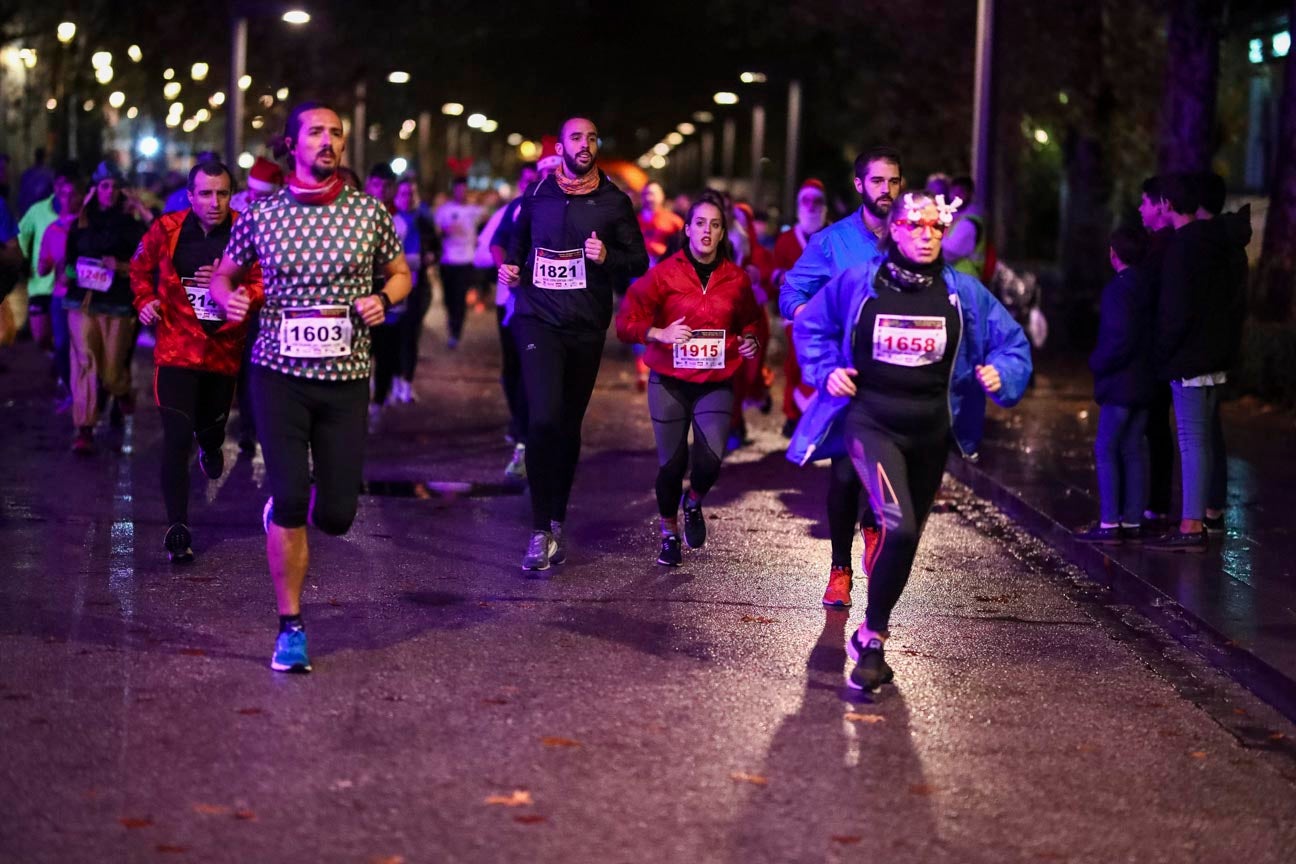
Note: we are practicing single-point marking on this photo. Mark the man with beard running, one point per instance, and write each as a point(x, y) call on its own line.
point(576, 237)
point(318, 244)
point(832, 250)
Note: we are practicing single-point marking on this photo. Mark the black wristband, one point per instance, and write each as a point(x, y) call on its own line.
point(386, 301)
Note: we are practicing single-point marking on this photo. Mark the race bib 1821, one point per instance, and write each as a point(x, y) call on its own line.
point(909, 340)
point(92, 275)
point(706, 350)
point(200, 299)
point(315, 331)
point(559, 270)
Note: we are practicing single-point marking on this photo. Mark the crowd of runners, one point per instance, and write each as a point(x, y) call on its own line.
point(301, 300)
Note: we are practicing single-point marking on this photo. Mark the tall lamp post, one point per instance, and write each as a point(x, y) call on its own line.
point(234, 111)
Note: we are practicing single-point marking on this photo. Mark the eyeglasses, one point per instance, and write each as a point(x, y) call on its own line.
point(916, 226)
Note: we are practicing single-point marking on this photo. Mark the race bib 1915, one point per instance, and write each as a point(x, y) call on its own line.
point(201, 300)
point(92, 275)
point(909, 340)
point(559, 270)
point(315, 331)
point(706, 350)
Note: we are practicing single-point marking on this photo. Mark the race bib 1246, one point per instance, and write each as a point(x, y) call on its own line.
point(92, 275)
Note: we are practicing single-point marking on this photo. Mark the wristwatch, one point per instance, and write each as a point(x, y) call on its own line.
point(386, 301)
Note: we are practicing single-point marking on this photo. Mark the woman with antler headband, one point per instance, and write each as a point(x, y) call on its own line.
point(907, 348)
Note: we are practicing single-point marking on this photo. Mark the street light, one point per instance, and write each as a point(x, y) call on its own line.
point(686, 128)
point(148, 147)
point(104, 74)
point(171, 90)
point(117, 99)
point(490, 126)
point(703, 116)
point(674, 139)
point(100, 59)
point(198, 71)
point(724, 97)
point(132, 112)
point(239, 80)
point(398, 77)
point(134, 53)
point(66, 32)
point(282, 94)
point(168, 73)
point(476, 121)
point(296, 17)
point(217, 99)
point(246, 160)
point(244, 82)
point(452, 109)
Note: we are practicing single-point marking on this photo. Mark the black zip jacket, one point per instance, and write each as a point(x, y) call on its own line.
point(1202, 302)
point(552, 219)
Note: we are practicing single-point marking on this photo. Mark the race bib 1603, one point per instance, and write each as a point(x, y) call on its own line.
point(315, 331)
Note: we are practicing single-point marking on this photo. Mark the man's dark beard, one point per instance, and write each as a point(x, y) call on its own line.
point(321, 173)
point(573, 167)
point(871, 206)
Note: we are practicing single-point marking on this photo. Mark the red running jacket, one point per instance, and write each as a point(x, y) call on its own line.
point(671, 290)
point(181, 340)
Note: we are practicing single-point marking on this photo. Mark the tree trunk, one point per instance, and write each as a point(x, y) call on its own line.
point(1192, 74)
point(1277, 270)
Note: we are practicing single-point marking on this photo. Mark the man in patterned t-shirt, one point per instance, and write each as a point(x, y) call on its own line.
point(318, 244)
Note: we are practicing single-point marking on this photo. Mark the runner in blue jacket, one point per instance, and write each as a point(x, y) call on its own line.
point(903, 351)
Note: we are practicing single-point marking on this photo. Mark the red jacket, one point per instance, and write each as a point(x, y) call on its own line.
point(181, 340)
point(671, 290)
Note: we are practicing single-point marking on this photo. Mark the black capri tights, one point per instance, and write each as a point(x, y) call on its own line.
point(902, 476)
point(674, 405)
point(300, 421)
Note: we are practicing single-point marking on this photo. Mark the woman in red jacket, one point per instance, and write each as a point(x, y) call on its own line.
point(698, 316)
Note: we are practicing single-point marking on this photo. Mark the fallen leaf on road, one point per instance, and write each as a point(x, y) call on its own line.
point(211, 809)
point(529, 818)
point(248, 712)
point(757, 619)
point(864, 718)
point(245, 815)
point(553, 741)
point(754, 779)
point(135, 822)
point(923, 789)
point(518, 798)
point(172, 848)
point(1198, 754)
point(847, 839)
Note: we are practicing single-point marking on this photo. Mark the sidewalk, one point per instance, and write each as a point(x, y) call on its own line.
point(1236, 604)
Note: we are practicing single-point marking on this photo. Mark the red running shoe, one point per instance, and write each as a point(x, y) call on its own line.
point(872, 543)
point(839, 588)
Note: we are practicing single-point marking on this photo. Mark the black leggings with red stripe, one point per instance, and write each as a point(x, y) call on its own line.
point(902, 474)
point(194, 404)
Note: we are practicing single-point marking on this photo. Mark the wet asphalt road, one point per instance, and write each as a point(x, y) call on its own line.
point(613, 710)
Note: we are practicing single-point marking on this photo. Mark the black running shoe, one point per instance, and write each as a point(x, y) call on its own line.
point(871, 670)
point(212, 462)
point(694, 523)
point(177, 544)
point(670, 552)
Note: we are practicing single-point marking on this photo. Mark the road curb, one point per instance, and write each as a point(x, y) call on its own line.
point(1128, 587)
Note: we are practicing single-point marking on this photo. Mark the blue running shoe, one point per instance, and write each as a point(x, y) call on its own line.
point(290, 652)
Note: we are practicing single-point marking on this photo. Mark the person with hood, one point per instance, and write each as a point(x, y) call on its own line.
point(812, 214)
point(904, 349)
